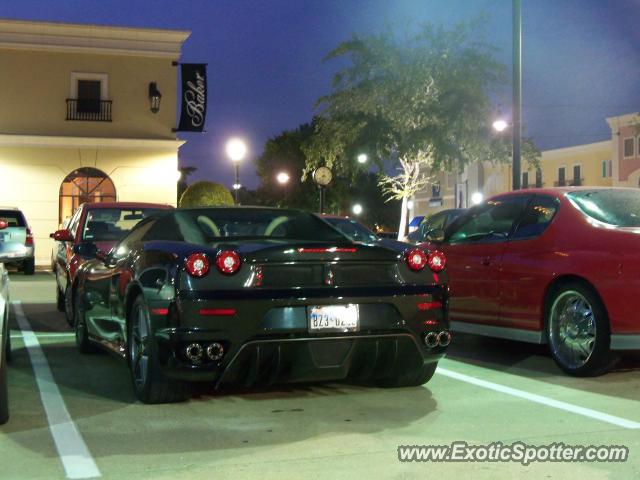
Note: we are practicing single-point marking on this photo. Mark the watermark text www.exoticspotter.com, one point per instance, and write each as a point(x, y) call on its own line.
point(518, 452)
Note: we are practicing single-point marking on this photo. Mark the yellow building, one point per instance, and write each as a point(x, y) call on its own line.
point(613, 162)
point(77, 121)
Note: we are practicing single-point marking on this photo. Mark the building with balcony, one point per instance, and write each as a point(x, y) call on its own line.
point(79, 119)
point(612, 162)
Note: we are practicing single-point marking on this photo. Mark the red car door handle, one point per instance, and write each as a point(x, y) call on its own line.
point(486, 261)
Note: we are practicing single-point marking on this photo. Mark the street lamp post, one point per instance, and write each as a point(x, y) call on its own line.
point(517, 91)
point(283, 179)
point(236, 150)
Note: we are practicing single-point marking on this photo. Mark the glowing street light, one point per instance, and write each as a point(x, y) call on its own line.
point(236, 150)
point(357, 209)
point(477, 198)
point(283, 178)
point(362, 158)
point(500, 125)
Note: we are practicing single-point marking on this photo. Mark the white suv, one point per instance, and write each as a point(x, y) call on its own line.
point(16, 240)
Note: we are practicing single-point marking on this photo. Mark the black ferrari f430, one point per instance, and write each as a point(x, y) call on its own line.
point(258, 296)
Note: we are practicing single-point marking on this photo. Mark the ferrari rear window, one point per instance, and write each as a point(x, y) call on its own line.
point(620, 207)
point(204, 226)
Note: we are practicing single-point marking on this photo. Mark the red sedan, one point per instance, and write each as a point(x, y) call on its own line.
point(93, 229)
point(557, 266)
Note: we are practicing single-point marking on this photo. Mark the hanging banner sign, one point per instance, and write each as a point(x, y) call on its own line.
point(194, 97)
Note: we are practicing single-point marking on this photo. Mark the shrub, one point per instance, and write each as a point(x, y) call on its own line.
point(205, 194)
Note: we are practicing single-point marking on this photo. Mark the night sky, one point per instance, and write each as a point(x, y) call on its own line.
point(581, 59)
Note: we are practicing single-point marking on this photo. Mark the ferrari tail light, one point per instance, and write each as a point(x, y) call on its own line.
point(197, 265)
point(29, 241)
point(228, 262)
point(429, 305)
point(416, 259)
point(436, 261)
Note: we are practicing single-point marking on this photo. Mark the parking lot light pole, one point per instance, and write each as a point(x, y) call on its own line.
point(236, 150)
point(517, 91)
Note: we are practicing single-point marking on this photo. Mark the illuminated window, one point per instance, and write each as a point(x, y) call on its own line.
point(84, 185)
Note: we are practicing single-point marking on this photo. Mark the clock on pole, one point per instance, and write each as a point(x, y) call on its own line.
point(322, 176)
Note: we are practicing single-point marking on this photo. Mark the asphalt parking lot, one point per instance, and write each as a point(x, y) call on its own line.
point(81, 420)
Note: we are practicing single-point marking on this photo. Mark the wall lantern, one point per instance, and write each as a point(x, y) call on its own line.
point(154, 97)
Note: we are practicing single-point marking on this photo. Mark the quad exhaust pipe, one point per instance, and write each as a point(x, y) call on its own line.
point(444, 338)
point(431, 339)
point(434, 339)
point(195, 352)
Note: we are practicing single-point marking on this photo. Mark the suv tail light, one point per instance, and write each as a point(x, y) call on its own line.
point(416, 259)
point(436, 261)
point(197, 265)
point(29, 241)
point(228, 262)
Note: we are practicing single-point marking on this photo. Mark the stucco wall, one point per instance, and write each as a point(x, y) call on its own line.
point(34, 87)
point(31, 179)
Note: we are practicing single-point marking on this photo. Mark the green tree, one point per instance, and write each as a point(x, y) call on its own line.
point(283, 153)
point(286, 153)
point(418, 104)
point(204, 194)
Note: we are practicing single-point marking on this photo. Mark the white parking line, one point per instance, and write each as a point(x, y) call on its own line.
point(74, 454)
point(532, 397)
point(47, 334)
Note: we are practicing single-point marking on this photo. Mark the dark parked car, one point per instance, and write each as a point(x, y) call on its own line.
point(5, 339)
point(438, 221)
point(356, 231)
point(557, 266)
point(259, 296)
point(351, 228)
point(16, 239)
point(93, 228)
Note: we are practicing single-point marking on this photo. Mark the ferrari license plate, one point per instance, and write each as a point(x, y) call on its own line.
point(333, 318)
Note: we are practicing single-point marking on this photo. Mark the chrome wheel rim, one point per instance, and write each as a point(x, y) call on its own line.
point(139, 347)
point(572, 329)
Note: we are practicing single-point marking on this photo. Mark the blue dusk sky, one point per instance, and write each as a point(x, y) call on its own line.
point(581, 59)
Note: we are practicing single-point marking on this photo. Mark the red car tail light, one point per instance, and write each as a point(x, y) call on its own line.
point(228, 262)
point(29, 241)
point(217, 312)
point(197, 265)
point(429, 305)
point(416, 259)
point(436, 261)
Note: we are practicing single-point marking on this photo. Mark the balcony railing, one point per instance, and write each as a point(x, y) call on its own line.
point(89, 110)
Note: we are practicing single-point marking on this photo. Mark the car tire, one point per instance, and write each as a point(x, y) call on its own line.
point(59, 299)
point(414, 378)
point(68, 304)
point(578, 332)
point(29, 266)
point(80, 326)
point(4, 391)
point(7, 348)
point(150, 384)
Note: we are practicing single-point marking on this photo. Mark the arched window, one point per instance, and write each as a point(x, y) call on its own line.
point(84, 185)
